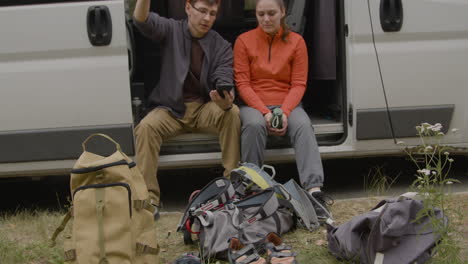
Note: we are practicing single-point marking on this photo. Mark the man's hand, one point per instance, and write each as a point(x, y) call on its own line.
point(223, 103)
point(275, 131)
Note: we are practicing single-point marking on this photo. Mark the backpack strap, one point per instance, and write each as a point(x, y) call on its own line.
point(117, 145)
point(267, 202)
point(142, 249)
point(70, 255)
point(213, 196)
point(205, 218)
point(144, 204)
point(62, 226)
point(100, 194)
point(301, 205)
point(222, 199)
point(277, 222)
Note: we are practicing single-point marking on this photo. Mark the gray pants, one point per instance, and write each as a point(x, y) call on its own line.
point(301, 137)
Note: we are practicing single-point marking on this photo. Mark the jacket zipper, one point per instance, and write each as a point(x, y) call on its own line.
point(269, 49)
point(105, 185)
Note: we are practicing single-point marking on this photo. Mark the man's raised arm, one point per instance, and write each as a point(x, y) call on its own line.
point(141, 12)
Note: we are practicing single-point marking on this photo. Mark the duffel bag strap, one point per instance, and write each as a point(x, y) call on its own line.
point(205, 218)
point(267, 202)
point(100, 195)
point(144, 204)
point(212, 197)
point(62, 226)
point(117, 145)
point(142, 249)
point(70, 255)
point(222, 199)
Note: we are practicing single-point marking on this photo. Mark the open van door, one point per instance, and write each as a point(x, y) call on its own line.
point(63, 75)
point(422, 49)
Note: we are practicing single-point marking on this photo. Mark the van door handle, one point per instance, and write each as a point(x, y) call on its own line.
point(99, 23)
point(391, 15)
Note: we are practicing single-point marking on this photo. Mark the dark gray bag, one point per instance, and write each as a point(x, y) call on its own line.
point(249, 177)
point(250, 220)
point(388, 234)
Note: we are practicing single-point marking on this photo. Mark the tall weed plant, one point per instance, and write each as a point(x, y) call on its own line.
point(433, 184)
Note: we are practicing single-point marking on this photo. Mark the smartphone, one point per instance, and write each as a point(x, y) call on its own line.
point(224, 87)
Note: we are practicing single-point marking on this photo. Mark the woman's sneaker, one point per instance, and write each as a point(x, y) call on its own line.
point(321, 203)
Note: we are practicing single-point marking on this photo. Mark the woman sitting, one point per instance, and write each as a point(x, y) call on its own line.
point(271, 66)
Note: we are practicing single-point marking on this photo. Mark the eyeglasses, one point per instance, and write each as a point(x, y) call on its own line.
point(205, 11)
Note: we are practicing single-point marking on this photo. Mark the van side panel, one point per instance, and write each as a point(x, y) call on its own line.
point(424, 65)
point(51, 75)
point(56, 87)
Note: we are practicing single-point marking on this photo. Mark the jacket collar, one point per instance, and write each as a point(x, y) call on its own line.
point(266, 36)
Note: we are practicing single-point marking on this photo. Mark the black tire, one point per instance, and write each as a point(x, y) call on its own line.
point(187, 238)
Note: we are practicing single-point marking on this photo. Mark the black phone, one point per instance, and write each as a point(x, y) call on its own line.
point(224, 87)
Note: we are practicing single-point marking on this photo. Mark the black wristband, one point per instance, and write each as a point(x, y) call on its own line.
point(229, 108)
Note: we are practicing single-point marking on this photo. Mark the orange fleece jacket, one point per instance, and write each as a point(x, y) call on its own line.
point(269, 71)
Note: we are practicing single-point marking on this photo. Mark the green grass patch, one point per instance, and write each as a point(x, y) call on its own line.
point(25, 235)
point(25, 238)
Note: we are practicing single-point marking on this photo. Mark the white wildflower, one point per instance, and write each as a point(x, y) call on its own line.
point(455, 130)
point(428, 148)
point(434, 172)
point(449, 182)
point(446, 153)
point(450, 160)
point(425, 172)
point(437, 127)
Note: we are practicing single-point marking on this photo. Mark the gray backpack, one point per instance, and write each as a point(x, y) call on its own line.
point(388, 234)
point(250, 178)
point(249, 220)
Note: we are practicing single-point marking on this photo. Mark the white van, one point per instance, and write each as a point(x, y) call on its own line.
point(64, 73)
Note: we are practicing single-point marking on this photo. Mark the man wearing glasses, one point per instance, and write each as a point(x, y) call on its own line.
point(195, 60)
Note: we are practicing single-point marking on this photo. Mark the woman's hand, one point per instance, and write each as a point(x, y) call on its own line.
point(268, 118)
point(223, 103)
point(275, 131)
point(278, 132)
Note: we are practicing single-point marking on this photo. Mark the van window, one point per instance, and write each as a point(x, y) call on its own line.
point(37, 2)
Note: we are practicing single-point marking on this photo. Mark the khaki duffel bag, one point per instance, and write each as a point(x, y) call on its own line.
point(111, 211)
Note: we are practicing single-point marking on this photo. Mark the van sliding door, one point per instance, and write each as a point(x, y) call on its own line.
point(422, 49)
point(63, 76)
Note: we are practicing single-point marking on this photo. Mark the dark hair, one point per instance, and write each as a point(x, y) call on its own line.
point(209, 2)
point(286, 29)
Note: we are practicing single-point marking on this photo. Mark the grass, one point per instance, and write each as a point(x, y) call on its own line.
point(24, 236)
point(377, 182)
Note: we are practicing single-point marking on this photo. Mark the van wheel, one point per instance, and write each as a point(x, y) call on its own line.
point(130, 49)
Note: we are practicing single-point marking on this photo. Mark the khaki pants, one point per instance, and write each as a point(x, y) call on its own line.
point(160, 124)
